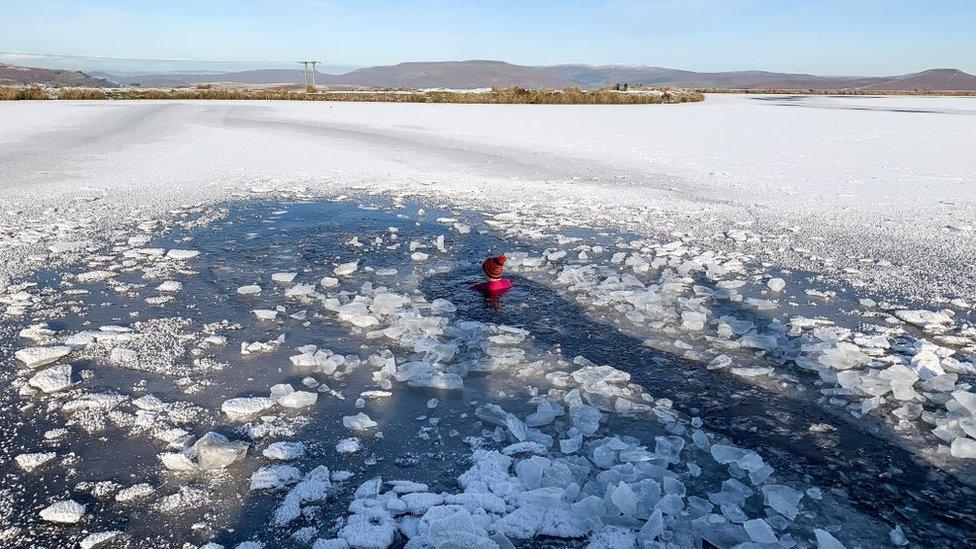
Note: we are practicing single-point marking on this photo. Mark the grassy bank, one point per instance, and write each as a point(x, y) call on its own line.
point(568, 96)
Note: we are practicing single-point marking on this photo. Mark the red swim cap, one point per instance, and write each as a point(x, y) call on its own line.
point(493, 266)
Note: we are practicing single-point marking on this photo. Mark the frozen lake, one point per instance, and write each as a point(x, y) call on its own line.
point(749, 320)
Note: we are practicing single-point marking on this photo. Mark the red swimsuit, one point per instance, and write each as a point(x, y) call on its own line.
point(495, 286)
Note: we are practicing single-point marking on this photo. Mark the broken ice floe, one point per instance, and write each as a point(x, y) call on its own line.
point(212, 451)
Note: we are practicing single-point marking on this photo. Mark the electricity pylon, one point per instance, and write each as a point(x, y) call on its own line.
point(309, 74)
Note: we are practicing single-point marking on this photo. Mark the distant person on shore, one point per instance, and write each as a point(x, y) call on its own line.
point(495, 285)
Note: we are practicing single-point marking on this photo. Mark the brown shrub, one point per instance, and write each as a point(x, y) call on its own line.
point(512, 95)
point(15, 93)
point(82, 93)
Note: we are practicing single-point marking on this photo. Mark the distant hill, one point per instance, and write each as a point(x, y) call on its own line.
point(452, 74)
point(932, 79)
point(602, 75)
point(20, 76)
point(258, 76)
point(484, 74)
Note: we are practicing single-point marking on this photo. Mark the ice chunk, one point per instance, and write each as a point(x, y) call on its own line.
point(97, 539)
point(182, 254)
point(29, 462)
point(329, 282)
point(783, 499)
point(95, 276)
point(298, 399)
point(759, 531)
point(624, 498)
point(346, 268)
point(419, 502)
point(546, 412)
point(963, 447)
point(134, 492)
point(776, 284)
point(52, 379)
point(169, 286)
point(613, 537)
point(250, 289)
point(66, 511)
point(754, 371)
point(284, 450)
point(283, 278)
point(265, 314)
point(215, 451)
point(530, 471)
point(358, 422)
point(723, 453)
point(274, 477)
point(314, 486)
point(239, 408)
point(902, 381)
point(369, 531)
point(844, 356)
point(693, 321)
point(33, 357)
point(826, 541)
point(967, 400)
point(349, 445)
point(299, 290)
point(925, 318)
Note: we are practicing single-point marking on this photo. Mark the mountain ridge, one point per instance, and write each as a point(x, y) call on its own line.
point(484, 73)
point(22, 76)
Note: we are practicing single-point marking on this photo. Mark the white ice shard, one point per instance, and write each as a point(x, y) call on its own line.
point(349, 445)
point(239, 408)
point(182, 254)
point(346, 268)
point(776, 284)
point(265, 314)
point(759, 531)
point(844, 356)
point(274, 477)
point(284, 451)
point(136, 491)
point(215, 451)
point(299, 290)
point(170, 286)
point(358, 422)
point(783, 499)
point(33, 357)
point(95, 276)
point(298, 399)
point(250, 289)
point(825, 540)
point(98, 539)
point(65, 511)
point(29, 462)
point(314, 486)
point(963, 447)
point(283, 278)
point(52, 379)
point(925, 318)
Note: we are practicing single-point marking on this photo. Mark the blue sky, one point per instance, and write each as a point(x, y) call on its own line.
point(870, 37)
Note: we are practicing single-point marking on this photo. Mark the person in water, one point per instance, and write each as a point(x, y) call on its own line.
point(495, 285)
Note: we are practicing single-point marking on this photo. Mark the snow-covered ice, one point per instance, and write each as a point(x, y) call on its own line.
point(845, 301)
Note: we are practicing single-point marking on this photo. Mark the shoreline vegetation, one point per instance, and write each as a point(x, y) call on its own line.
point(840, 91)
point(513, 95)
